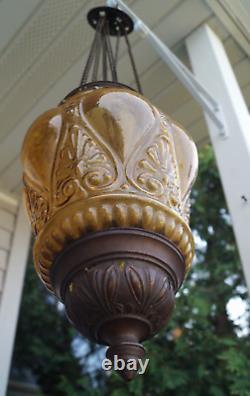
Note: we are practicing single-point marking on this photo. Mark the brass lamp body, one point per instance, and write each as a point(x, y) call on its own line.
point(107, 179)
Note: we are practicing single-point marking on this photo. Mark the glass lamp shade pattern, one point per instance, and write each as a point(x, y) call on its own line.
point(107, 162)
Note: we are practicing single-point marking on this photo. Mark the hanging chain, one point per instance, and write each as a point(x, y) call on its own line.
point(110, 55)
point(92, 51)
point(104, 56)
point(101, 48)
point(117, 46)
point(138, 84)
point(97, 51)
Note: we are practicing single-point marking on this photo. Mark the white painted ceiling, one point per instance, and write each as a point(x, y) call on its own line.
point(44, 44)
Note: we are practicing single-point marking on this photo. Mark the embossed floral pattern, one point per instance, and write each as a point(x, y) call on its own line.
point(82, 166)
point(98, 290)
point(38, 208)
point(156, 173)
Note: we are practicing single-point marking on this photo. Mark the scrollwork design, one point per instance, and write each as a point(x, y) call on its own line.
point(38, 208)
point(156, 173)
point(83, 166)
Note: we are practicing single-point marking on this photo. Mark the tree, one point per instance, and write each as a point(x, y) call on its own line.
point(44, 342)
point(202, 352)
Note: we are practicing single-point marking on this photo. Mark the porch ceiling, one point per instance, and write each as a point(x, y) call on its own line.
point(43, 46)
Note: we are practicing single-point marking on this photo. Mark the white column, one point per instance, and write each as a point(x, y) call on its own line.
point(11, 296)
point(212, 68)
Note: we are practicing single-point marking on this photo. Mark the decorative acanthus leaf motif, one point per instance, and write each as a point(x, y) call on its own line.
point(88, 296)
point(82, 166)
point(135, 284)
point(100, 290)
point(157, 288)
point(38, 208)
point(161, 292)
point(156, 172)
point(110, 285)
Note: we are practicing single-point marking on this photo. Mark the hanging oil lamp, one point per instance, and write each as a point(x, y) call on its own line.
point(107, 179)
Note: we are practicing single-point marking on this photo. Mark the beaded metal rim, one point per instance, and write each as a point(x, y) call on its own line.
point(103, 212)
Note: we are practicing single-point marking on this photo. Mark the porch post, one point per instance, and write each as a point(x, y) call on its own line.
point(212, 68)
point(11, 294)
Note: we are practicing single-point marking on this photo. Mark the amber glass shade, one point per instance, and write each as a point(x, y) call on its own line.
point(107, 159)
point(107, 146)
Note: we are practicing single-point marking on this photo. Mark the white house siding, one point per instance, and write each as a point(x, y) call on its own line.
point(14, 247)
point(8, 212)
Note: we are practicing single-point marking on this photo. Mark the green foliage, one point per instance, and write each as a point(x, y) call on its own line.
point(199, 354)
point(43, 342)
